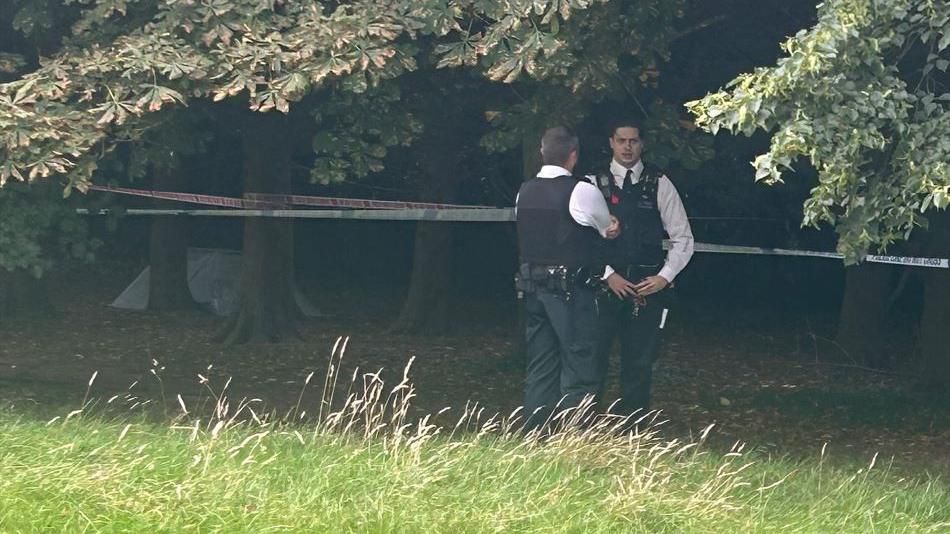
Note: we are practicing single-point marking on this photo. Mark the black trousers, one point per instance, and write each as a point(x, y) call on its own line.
point(560, 341)
point(640, 335)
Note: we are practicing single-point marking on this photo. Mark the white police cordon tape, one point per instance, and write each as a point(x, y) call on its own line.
point(498, 215)
point(266, 201)
point(444, 215)
point(940, 263)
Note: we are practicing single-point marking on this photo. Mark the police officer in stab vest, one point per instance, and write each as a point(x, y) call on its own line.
point(638, 271)
point(561, 221)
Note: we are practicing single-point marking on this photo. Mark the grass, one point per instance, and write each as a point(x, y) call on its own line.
point(361, 466)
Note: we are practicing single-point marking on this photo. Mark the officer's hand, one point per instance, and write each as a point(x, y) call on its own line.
point(621, 287)
point(651, 285)
point(614, 229)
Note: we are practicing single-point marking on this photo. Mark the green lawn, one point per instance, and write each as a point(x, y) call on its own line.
point(363, 469)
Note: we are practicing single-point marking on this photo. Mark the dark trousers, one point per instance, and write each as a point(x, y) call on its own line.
point(640, 336)
point(560, 342)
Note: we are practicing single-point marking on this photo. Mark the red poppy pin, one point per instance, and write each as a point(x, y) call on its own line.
point(614, 199)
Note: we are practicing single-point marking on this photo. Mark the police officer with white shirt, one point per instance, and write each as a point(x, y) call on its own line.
point(561, 220)
point(638, 272)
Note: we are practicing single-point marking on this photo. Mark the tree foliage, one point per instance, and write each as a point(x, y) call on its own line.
point(356, 131)
point(128, 58)
point(118, 73)
point(38, 229)
point(609, 55)
point(862, 95)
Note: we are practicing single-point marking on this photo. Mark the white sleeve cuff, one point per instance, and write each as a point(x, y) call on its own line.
point(667, 274)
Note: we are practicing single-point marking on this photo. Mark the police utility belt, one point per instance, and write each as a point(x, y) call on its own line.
point(561, 279)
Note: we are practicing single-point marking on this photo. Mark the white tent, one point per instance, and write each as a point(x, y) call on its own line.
point(213, 276)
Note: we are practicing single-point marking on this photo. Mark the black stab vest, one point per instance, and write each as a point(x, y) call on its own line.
point(641, 238)
point(547, 234)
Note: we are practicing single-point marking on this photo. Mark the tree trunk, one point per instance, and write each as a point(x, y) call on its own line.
point(22, 295)
point(935, 318)
point(168, 252)
point(862, 322)
point(426, 308)
point(267, 310)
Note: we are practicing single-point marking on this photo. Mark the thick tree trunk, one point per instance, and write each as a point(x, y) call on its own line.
point(863, 318)
point(426, 308)
point(267, 310)
point(22, 295)
point(168, 253)
point(935, 319)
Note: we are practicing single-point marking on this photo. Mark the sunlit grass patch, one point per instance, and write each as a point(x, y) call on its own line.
point(362, 465)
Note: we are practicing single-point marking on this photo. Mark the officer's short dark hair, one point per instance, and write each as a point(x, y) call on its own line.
point(557, 145)
point(626, 122)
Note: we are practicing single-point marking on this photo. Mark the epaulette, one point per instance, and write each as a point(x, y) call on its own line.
point(651, 174)
point(603, 182)
point(650, 177)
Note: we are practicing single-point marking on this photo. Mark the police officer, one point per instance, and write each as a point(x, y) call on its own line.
point(561, 219)
point(638, 272)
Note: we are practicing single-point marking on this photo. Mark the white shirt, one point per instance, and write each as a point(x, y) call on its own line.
point(673, 215)
point(587, 204)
